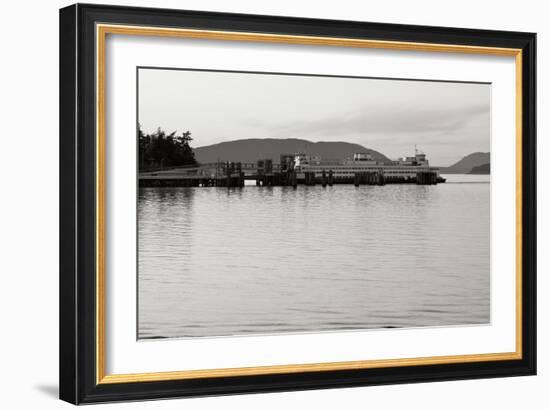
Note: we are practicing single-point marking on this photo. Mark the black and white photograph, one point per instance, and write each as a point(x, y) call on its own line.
point(275, 204)
point(281, 203)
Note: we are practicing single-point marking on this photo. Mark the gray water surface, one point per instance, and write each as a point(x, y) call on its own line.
point(261, 260)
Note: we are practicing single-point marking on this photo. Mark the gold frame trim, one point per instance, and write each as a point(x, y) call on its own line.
point(101, 33)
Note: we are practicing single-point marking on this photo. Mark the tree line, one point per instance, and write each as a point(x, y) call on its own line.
point(160, 150)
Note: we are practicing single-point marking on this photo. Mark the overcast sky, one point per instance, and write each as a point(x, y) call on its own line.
point(445, 120)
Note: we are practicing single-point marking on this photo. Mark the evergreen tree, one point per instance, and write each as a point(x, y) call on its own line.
point(159, 150)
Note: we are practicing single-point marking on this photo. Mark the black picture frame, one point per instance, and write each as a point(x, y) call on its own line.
point(78, 237)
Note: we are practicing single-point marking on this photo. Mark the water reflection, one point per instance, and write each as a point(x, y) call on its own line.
point(215, 261)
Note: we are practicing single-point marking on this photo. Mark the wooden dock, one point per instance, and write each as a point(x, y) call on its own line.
point(264, 173)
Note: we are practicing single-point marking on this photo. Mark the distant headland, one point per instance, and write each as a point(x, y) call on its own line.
point(475, 163)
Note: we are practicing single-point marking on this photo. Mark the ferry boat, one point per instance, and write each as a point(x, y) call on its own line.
point(407, 169)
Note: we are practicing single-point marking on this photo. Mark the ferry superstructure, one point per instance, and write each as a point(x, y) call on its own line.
point(404, 169)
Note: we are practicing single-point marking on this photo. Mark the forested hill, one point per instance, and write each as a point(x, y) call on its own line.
point(250, 150)
point(469, 162)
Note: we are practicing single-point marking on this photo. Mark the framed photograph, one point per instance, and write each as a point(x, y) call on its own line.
point(257, 203)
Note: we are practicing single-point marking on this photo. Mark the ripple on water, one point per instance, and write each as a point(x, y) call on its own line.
point(216, 262)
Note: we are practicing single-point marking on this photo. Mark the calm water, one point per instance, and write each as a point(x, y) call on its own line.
point(216, 262)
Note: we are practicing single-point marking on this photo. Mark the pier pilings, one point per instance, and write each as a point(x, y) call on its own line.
point(426, 178)
point(369, 178)
point(232, 175)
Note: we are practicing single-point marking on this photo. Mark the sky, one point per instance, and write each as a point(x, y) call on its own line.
point(446, 120)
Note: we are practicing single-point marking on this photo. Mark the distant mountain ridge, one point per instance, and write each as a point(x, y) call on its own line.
point(250, 150)
point(469, 162)
point(481, 170)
